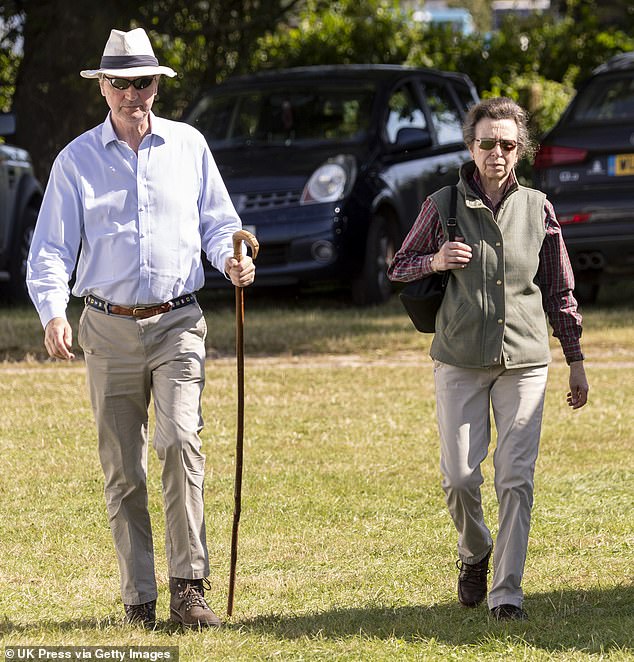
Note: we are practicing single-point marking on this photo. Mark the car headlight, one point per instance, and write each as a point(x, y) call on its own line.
point(331, 181)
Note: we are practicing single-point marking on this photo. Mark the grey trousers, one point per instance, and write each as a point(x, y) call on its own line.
point(128, 362)
point(464, 398)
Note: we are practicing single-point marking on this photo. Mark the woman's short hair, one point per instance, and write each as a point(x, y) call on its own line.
point(499, 108)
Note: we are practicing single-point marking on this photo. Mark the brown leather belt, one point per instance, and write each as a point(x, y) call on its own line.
point(140, 312)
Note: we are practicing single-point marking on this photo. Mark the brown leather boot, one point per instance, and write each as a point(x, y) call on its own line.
point(188, 605)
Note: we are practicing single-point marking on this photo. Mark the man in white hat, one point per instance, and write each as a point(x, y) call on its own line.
point(129, 205)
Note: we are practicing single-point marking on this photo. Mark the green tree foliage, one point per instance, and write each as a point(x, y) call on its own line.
point(343, 32)
point(606, 13)
point(207, 41)
point(480, 10)
point(9, 56)
point(51, 102)
point(538, 61)
point(203, 41)
point(556, 54)
point(8, 67)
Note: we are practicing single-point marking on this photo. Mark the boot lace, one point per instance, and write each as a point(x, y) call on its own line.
point(193, 594)
point(471, 573)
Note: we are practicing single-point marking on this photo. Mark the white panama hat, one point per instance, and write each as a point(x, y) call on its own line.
point(128, 54)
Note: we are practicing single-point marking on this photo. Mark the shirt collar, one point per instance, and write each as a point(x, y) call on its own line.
point(158, 127)
point(475, 181)
point(107, 132)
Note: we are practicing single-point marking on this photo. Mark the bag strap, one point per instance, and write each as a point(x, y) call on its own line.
point(451, 226)
point(451, 221)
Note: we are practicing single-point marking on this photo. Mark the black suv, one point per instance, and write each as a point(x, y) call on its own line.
point(329, 165)
point(20, 198)
point(585, 165)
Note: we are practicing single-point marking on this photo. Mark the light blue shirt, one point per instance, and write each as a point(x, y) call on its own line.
point(140, 221)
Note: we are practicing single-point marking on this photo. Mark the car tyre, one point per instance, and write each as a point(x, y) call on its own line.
point(372, 286)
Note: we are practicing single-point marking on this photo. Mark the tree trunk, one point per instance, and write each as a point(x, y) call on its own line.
point(52, 103)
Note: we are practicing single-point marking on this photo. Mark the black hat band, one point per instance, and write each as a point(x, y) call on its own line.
point(127, 61)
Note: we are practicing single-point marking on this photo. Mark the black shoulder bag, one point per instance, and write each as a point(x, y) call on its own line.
point(422, 298)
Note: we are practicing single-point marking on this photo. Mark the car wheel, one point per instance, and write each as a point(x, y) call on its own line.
point(18, 292)
point(372, 285)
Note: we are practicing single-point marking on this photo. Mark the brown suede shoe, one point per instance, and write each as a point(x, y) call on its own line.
point(472, 581)
point(188, 605)
point(144, 614)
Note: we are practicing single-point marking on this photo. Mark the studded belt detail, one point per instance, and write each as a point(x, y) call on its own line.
point(140, 312)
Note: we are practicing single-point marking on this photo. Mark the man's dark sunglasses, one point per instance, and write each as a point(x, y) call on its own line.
point(124, 83)
point(489, 143)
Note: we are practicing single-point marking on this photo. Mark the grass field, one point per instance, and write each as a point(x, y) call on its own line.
point(346, 548)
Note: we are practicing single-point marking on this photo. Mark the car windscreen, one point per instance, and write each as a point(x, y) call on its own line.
point(606, 98)
point(284, 115)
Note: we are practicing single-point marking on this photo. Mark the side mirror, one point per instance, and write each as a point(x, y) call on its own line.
point(413, 138)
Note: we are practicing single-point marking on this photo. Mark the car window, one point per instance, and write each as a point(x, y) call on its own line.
point(465, 96)
point(606, 98)
point(285, 115)
point(404, 112)
point(446, 117)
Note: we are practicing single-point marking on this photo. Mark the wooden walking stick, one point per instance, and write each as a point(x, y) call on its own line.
point(238, 238)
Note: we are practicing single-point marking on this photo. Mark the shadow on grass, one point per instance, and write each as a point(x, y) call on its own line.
point(7, 627)
point(593, 620)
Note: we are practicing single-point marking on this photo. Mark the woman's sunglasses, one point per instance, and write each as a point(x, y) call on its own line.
point(489, 143)
point(124, 83)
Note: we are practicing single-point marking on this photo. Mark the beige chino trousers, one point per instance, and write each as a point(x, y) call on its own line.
point(464, 398)
point(128, 362)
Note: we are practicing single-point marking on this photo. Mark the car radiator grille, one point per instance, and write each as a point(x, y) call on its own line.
point(269, 200)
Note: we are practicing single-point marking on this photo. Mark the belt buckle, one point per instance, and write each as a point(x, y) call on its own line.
point(138, 311)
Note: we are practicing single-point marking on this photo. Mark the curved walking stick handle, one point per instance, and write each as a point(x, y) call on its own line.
point(238, 238)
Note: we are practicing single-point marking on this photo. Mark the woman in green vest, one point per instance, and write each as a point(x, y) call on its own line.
point(510, 271)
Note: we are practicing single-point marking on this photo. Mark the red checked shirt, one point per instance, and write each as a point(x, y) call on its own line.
point(555, 276)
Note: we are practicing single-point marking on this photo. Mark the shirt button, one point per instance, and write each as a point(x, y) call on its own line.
point(498, 282)
point(141, 208)
point(495, 360)
point(500, 321)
